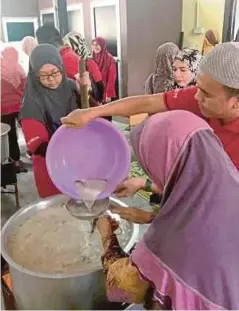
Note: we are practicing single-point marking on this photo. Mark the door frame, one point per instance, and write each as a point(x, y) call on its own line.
point(47, 11)
point(70, 7)
point(76, 7)
point(6, 20)
point(101, 3)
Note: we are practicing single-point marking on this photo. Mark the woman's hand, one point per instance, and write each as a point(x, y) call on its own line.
point(83, 80)
point(106, 226)
point(78, 118)
point(129, 187)
point(133, 214)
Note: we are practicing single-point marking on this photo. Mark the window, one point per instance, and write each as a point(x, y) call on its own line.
point(16, 28)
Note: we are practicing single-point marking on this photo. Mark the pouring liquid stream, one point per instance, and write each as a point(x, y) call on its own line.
point(89, 191)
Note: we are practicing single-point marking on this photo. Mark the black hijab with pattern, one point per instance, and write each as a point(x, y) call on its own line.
point(78, 44)
point(192, 58)
point(41, 103)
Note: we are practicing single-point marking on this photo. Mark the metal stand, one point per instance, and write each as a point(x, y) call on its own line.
point(9, 178)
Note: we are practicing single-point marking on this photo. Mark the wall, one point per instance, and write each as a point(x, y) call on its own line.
point(153, 23)
point(46, 4)
point(237, 19)
point(211, 14)
point(18, 8)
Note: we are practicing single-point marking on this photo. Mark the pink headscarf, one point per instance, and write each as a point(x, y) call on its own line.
point(11, 71)
point(171, 130)
point(28, 44)
point(190, 251)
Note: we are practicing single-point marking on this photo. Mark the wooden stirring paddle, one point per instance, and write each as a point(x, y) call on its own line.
point(83, 88)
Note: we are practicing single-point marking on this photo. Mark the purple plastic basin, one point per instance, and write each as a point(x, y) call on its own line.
point(97, 151)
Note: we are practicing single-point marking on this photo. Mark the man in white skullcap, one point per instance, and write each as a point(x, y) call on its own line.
point(215, 98)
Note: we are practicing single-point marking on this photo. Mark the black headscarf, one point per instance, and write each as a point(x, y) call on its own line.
point(49, 34)
point(41, 103)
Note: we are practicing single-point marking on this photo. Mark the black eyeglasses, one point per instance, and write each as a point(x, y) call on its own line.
point(54, 74)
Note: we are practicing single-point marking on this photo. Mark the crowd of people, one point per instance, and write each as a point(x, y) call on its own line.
point(188, 148)
point(50, 90)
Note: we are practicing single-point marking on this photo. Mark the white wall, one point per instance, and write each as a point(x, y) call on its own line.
point(18, 8)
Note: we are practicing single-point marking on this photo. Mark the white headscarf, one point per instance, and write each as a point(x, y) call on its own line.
point(222, 64)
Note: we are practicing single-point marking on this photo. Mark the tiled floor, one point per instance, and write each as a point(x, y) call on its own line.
point(28, 193)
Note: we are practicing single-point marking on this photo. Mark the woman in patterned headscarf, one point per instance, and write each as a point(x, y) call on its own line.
point(185, 68)
point(160, 80)
point(78, 44)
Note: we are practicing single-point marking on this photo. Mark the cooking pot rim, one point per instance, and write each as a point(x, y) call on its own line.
point(44, 202)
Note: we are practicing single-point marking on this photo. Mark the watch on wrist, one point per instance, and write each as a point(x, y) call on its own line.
point(148, 185)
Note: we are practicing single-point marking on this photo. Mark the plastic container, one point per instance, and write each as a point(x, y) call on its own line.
point(99, 151)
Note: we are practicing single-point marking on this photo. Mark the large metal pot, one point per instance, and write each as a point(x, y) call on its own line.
point(42, 291)
point(5, 128)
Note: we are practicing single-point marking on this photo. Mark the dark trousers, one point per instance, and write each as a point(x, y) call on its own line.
point(14, 149)
point(109, 118)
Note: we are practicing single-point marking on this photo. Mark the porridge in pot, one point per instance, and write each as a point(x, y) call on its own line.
point(53, 241)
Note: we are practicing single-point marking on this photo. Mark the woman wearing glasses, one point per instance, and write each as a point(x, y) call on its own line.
point(49, 95)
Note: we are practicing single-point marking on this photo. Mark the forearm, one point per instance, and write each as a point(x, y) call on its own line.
point(122, 278)
point(129, 106)
point(111, 251)
point(149, 186)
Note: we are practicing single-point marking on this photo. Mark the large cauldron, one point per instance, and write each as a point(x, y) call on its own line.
point(42, 291)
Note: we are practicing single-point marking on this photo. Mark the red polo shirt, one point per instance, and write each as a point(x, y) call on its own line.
point(184, 99)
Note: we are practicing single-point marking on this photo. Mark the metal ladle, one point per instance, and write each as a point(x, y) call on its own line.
point(79, 210)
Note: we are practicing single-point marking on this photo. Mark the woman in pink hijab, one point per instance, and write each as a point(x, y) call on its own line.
point(13, 80)
point(28, 44)
point(188, 258)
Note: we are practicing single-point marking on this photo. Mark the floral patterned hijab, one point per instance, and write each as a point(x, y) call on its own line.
point(192, 58)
